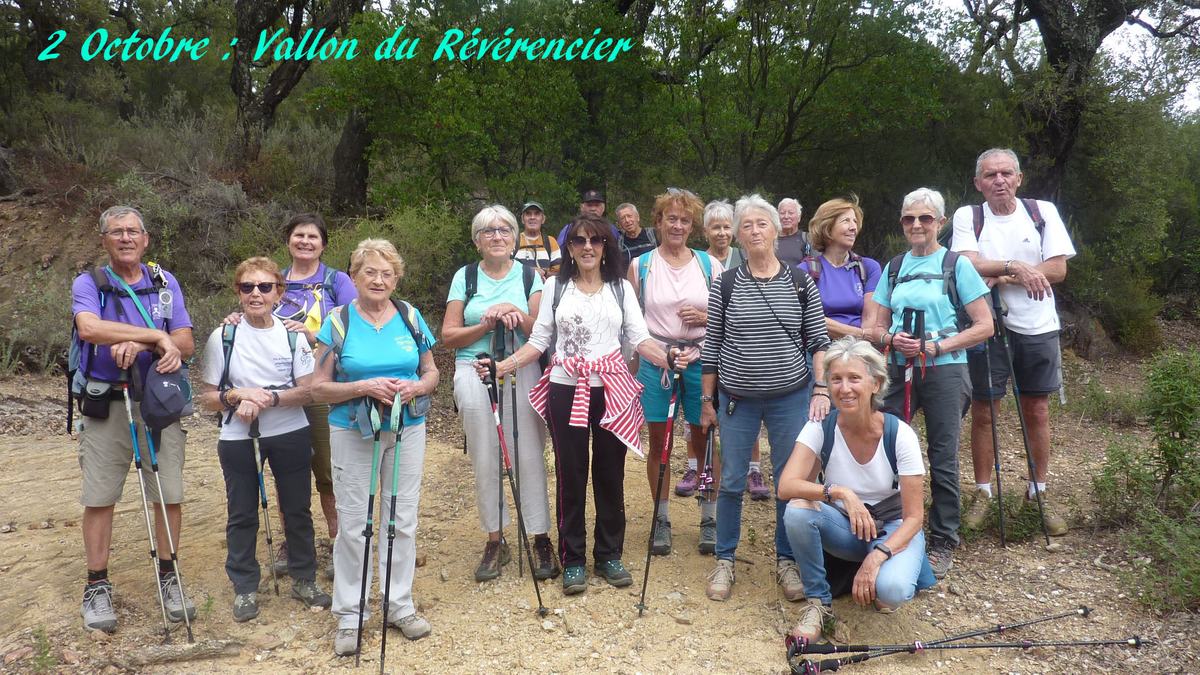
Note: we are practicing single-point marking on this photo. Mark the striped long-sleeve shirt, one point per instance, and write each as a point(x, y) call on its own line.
point(754, 343)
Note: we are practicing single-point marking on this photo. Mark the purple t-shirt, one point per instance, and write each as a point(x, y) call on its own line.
point(119, 307)
point(842, 289)
point(306, 300)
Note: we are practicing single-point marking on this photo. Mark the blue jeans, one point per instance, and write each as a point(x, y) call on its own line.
point(784, 416)
point(813, 532)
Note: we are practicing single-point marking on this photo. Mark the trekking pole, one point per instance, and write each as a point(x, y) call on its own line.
point(137, 462)
point(498, 348)
point(490, 383)
point(262, 496)
point(1012, 374)
point(397, 425)
point(987, 357)
point(907, 327)
point(516, 432)
point(705, 491)
point(662, 463)
point(795, 645)
point(377, 425)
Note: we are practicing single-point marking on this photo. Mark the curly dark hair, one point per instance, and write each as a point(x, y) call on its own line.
point(612, 263)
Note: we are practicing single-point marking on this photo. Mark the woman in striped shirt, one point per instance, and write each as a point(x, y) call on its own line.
point(763, 317)
point(588, 388)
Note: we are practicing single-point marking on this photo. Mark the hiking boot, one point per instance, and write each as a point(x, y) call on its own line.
point(544, 558)
point(414, 626)
point(614, 573)
point(662, 537)
point(720, 581)
point(327, 571)
point(174, 600)
point(281, 560)
point(574, 580)
point(708, 536)
point(787, 575)
point(977, 513)
point(686, 487)
point(245, 606)
point(495, 555)
point(310, 593)
point(345, 641)
point(816, 620)
point(98, 610)
point(757, 487)
point(1056, 525)
point(941, 558)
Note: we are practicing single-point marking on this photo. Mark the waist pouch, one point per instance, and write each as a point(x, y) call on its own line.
point(884, 511)
point(419, 406)
point(95, 399)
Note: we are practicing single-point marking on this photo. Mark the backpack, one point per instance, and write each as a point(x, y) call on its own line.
point(326, 285)
point(75, 355)
point(472, 279)
point(340, 321)
point(727, 279)
point(228, 333)
point(891, 427)
point(531, 262)
point(949, 279)
point(643, 262)
point(855, 261)
point(1031, 207)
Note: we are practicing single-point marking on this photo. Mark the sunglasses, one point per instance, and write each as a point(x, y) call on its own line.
point(680, 191)
point(925, 219)
point(247, 287)
point(596, 240)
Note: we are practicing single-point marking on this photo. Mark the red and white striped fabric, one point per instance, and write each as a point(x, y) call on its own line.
point(623, 415)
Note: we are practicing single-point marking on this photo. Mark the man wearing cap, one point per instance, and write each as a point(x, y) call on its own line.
point(534, 247)
point(130, 317)
point(590, 202)
point(634, 240)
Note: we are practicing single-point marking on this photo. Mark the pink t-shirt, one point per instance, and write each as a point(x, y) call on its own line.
point(669, 289)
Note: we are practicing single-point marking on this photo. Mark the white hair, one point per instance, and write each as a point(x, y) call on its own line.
point(996, 151)
point(119, 211)
point(754, 202)
point(718, 209)
point(490, 214)
point(924, 195)
point(789, 200)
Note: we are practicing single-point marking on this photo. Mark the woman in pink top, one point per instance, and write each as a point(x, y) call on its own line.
point(672, 282)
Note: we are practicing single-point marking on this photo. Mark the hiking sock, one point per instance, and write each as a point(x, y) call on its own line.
point(164, 568)
point(95, 576)
point(662, 509)
point(985, 488)
point(1034, 488)
point(756, 466)
point(692, 463)
point(708, 510)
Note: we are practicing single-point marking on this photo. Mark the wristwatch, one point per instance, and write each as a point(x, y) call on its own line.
point(706, 399)
point(882, 548)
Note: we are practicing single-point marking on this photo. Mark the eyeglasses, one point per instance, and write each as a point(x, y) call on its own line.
point(925, 219)
point(247, 287)
point(496, 233)
point(595, 240)
point(385, 275)
point(121, 234)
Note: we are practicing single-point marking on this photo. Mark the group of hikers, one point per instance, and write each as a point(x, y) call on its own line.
point(592, 335)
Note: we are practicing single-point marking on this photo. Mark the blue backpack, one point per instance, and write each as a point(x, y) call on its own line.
point(643, 262)
point(891, 427)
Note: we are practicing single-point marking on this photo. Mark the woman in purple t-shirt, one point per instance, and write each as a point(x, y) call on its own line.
point(846, 280)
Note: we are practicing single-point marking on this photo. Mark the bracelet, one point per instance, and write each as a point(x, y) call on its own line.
point(883, 338)
point(821, 393)
point(1007, 267)
point(892, 341)
point(516, 361)
point(223, 398)
point(274, 399)
point(828, 495)
point(884, 549)
point(937, 350)
point(824, 385)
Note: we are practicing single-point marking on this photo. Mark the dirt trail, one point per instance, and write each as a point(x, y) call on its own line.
point(492, 627)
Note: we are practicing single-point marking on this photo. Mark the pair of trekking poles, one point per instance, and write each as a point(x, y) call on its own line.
point(798, 647)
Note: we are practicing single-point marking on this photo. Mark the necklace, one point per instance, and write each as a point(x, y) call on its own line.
point(376, 321)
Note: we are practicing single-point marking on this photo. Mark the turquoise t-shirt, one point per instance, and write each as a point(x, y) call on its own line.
point(928, 295)
point(367, 353)
point(489, 292)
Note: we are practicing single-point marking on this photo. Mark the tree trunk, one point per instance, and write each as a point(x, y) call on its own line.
point(351, 165)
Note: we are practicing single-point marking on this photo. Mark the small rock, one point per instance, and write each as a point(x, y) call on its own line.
point(547, 625)
point(6, 528)
point(955, 589)
point(18, 654)
point(674, 596)
point(99, 636)
point(421, 559)
point(287, 635)
point(426, 604)
point(70, 657)
point(683, 619)
point(444, 575)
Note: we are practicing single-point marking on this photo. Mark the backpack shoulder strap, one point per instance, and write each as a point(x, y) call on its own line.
point(408, 314)
point(472, 279)
point(643, 266)
point(705, 264)
point(801, 289)
point(950, 278)
point(727, 280)
point(828, 428)
point(977, 219)
point(814, 267)
point(292, 347)
point(327, 284)
point(228, 333)
point(894, 271)
point(1035, 214)
point(527, 279)
point(618, 289)
point(103, 284)
point(891, 428)
point(857, 261)
point(339, 321)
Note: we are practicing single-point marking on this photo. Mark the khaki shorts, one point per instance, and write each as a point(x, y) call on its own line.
point(106, 453)
point(318, 428)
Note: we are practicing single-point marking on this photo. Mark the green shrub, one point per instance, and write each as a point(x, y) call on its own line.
point(1093, 401)
point(1121, 297)
point(1126, 482)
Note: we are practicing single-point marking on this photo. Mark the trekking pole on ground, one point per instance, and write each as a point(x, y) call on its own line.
point(663, 458)
point(377, 425)
point(490, 383)
point(907, 327)
point(397, 425)
point(987, 357)
point(516, 431)
point(262, 497)
point(705, 491)
point(796, 646)
point(137, 462)
point(1012, 375)
point(498, 348)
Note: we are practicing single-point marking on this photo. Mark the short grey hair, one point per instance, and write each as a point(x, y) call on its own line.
point(718, 209)
point(1007, 152)
point(627, 207)
point(490, 214)
point(120, 211)
point(754, 202)
point(789, 200)
point(924, 195)
point(850, 347)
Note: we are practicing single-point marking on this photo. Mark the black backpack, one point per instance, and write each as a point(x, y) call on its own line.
point(814, 267)
point(728, 276)
point(472, 280)
point(1031, 207)
point(949, 284)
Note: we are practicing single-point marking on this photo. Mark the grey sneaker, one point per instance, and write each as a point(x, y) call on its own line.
point(174, 600)
point(496, 554)
point(345, 641)
point(941, 558)
point(662, 537)
point(98, 611)
point(281, 559)
point(414, 626)
point(310, 593)
point(245, 606)
point(816, 620)
point(720, 581)
point(787, 574)
point(708, 536)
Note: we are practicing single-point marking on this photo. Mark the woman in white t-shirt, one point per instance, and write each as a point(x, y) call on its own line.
point(261, 388)
point(870, 506)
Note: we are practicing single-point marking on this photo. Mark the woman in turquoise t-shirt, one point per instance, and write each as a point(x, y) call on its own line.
point(494, 312)
point(380, 357)
point(907, 297)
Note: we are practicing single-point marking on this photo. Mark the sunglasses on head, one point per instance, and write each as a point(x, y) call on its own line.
point(925, 219)
point(596, 240)
point(680, 191)
point(247, 287)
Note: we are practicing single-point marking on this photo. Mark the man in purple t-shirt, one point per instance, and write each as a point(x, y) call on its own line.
point(115, 339)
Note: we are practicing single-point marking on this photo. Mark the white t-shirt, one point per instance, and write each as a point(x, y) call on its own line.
point(261, 358)
point(588, 325)
point(1015, 237)
point(872, 482)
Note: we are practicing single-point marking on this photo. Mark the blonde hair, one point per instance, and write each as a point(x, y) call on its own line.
point(380, 247)
point(850, 347)
point(820, 228)
point(258, 264)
